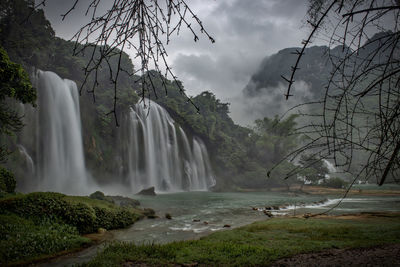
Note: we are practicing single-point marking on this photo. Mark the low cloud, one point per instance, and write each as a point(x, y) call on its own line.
point(270, 102)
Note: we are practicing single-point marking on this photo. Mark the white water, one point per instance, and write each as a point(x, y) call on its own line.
point(160, 154)
point(61, 163)
point(331, 168)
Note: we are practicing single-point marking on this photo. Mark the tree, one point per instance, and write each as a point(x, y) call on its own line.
point(313, 169)
point(14, 85)
point(360, 108)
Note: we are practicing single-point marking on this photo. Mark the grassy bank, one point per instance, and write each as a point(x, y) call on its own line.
point(39, 225)
point(261, 243)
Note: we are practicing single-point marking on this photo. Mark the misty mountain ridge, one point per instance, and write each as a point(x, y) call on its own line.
point(264, 94)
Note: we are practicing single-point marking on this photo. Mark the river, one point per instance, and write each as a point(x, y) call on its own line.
point(195, 214)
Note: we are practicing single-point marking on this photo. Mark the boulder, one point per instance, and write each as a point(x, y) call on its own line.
point(100, 196)
point(149, 213)
point(268, 213)
point(125, 201)
point(148, 192)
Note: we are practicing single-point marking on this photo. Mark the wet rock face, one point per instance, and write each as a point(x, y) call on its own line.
point(148, 192)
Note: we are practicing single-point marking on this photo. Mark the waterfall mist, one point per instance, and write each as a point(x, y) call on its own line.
point(158, 153)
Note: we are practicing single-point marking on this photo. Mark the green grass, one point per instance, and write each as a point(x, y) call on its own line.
point(24, 240)
point(260, 243)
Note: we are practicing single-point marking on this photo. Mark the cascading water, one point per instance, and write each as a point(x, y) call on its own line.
point(159, 153)
point(331, 168)
point(61, 163)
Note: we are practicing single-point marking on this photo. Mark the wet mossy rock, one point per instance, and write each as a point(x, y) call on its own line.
point(125, 201)
point(149, 213)
point(148, 192)
point(100, 196)
point(117, 200)
point(86, 217)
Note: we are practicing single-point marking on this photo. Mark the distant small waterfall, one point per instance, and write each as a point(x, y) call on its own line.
point(61, 163)
point(29, 161)
point(331, 168)
point(159, 153)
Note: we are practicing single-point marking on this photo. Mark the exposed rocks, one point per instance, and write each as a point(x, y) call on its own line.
point(100, 196)
point(101, 230)
point(168, 216)
point(196, 220)
point(150, 213)
point(268, 213)
point(205, 222)
point(148, 192)
point(125, 201)
point(227, 226)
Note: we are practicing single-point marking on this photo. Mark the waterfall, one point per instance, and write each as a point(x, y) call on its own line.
point(29, 161)
point(61, 163)
point(331, 168)
point(159, 153)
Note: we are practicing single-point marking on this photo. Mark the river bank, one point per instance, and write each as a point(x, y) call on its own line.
point(264, 242)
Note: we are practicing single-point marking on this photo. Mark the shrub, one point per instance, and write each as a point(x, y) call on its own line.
point(113, 219)
point(335, 182)
point(85, 217)
point(23, 239)
point(7, 181)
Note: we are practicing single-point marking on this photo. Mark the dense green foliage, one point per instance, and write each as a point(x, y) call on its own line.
point(14, 86)
point(335, 182)
point(86, 214)
point(23, 239)
point(41, 224)
point(7, 181)
point(258, 244)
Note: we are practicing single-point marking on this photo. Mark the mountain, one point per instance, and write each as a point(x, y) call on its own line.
point(315, 67)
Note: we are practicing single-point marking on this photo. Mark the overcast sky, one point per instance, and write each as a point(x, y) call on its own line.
point(245, 31)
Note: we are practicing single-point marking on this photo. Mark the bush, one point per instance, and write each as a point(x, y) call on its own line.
point(7, 181)
point(113, 219)
point(85, 217)
point(335, 182)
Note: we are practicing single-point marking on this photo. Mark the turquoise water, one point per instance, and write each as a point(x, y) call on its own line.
point(195, 214)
